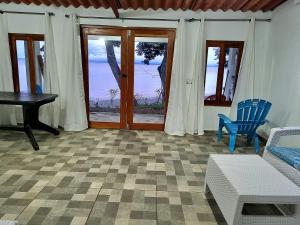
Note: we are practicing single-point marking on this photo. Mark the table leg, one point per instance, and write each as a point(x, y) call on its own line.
point(31, 117)
point(31, 138)
point(206, 188)
point(45, 127)
point(31, 121)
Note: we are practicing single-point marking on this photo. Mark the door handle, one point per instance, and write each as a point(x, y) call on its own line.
point(124, 75)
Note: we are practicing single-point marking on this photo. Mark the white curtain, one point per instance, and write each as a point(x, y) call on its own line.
point(186, 101)
point(73, 109)
point(50, 113)
point(245, 83)
point(195, 107)
point(175, 120)
point(7, 113)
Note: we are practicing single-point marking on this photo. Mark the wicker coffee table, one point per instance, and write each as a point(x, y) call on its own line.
point(236, 180)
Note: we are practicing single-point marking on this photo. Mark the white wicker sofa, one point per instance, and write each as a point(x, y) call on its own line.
point(279, 162)
point(288, 169)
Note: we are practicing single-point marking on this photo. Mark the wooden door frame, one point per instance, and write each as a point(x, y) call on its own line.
point(97, 30)
point(164, 33)
point(127, 69)
point(30, 38)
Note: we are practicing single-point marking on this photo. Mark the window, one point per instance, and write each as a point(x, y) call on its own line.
point(27, 56)
point(222, 67)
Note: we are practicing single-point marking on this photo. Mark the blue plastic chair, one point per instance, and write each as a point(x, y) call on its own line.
point(251, 114)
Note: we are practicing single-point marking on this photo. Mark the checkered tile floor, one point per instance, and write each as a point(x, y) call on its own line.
point(108, 177)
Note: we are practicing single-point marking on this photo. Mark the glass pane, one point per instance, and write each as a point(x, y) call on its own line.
point(104, 55)
point(230, 72)
point(212, 73)
point(39, 61)
point(149, 79)
point(23, 66)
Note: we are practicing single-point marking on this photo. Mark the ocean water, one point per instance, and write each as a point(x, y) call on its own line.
point(101, 81)
point(24, 87)
point(146, 80)
point(211, 80)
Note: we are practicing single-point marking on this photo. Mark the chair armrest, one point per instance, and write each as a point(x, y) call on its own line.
point(263, 122)
point(276, 133)
point(225, 118)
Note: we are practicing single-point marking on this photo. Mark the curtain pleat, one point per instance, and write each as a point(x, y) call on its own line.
point(73, 109)
point(7, 113)
point(186, 100)
point(195, 107)
point(50, 113)
point(245, 83)
point(175, 120)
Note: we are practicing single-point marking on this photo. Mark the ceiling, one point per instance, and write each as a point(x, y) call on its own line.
point(235, 5)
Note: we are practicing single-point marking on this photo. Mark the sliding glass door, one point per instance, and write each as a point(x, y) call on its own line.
point(150, 58)
point(105, 79)
point(127, 76)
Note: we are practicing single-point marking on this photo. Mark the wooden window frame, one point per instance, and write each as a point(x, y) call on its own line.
point(30, 38)
point(223, 45)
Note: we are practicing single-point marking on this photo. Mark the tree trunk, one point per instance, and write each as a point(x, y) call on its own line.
point(162, 74)
point(112, 61)
point(115, 69)
point(231, 74)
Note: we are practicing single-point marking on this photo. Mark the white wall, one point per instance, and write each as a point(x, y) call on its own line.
point(235, 31)
point(283, 66)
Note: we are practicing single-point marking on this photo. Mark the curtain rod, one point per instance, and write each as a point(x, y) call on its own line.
point(114, 18)
point(27, 13)
point(229, 20)
point(172, 20)
point(141, 19)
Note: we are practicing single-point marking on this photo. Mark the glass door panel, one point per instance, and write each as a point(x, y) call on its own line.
point(23, 66)
point(212, 73)
point(104, 78)
point(150, 62)
point(230, 73)
point(39, 62)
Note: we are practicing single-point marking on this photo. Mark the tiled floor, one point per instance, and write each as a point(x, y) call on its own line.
point(108, 177)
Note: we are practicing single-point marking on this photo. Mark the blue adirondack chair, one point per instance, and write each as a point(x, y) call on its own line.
point(250, 115)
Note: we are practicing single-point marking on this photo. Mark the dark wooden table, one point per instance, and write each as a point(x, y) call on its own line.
point(30, 104)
